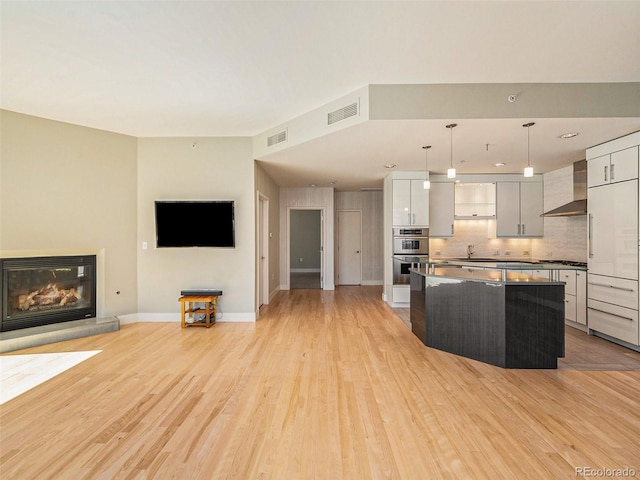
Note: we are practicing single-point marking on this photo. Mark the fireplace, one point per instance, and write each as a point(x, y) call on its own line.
point(43, 290)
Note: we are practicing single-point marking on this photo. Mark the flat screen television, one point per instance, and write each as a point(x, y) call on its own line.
point(204, 223)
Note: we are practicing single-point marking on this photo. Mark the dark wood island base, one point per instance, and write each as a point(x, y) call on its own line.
point(512, 323)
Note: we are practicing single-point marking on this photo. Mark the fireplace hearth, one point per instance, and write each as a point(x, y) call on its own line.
point(40, 291)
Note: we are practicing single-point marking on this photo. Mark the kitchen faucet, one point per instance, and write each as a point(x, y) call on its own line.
point(470, 250)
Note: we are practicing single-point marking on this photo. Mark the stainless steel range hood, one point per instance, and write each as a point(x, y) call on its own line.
point(579, 204)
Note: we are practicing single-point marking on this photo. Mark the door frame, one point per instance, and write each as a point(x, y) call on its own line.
point(262, 220)
point(338, 236)
point(323, 242)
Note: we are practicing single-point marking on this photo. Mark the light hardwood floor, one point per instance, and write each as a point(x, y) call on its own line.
point(326, 385)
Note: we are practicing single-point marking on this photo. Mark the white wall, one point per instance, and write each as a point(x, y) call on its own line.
point(267, 187)
point(218, 169)
point(67, 189)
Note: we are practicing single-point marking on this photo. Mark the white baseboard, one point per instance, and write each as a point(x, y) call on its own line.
point(372, 282)
point(305, 270)
point(175, 317)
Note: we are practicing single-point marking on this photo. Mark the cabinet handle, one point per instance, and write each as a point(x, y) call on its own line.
point(452, 229)
point(518, 229)
point(523, 228)
point(605, 173)
point(612, 286)
point(590, 236)
point(609, 313)
point(612, 175)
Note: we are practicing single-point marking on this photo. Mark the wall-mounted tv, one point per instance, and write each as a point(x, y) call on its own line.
point(205, 223)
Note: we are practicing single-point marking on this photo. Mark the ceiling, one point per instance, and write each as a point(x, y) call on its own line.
point(209, 68)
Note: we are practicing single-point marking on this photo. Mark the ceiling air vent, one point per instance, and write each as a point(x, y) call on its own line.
point(277, 138)
point(342, 113)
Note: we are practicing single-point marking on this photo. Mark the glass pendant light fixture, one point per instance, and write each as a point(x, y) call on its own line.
point(427, 183)
point(451, 172)
point(528, 170)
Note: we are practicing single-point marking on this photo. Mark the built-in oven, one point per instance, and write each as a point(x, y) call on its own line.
point(411, 241)
point(410, 249)
point(402, 264)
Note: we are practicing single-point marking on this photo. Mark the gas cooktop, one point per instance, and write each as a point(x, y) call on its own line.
point(570, 263)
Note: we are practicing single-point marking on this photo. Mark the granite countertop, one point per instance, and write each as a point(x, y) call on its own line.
point(496, 275)
point(511, 264)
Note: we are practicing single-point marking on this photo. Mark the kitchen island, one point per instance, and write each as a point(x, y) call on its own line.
point(500, 317)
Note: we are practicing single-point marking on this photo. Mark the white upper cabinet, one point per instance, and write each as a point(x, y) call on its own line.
point(613, 167)
point(475, 200)
point(518, 209)
point(441, 209)
point(410, 202)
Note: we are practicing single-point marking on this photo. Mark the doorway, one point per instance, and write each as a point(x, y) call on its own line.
point(305, 249)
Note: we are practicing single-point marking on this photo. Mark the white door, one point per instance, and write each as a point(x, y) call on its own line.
point(349, 247)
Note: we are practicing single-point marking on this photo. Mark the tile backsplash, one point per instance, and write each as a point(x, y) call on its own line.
point(477, 233)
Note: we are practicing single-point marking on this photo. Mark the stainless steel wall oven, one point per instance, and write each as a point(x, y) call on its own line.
point(410, 248)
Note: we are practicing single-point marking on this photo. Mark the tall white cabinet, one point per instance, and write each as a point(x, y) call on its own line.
point(613, 207)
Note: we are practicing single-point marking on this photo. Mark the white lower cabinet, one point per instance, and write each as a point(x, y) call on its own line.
point(401, 294)
point(613, 320)
point(581, 297)
point(575, 295)
point(613, 307)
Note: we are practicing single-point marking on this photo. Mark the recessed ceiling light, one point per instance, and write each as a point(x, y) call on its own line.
point(333, 182)
point(499, 164)
point(312, 185)
point(569, 135)
point(390, 165)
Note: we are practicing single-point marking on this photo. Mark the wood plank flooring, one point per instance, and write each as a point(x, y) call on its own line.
point(326, 385)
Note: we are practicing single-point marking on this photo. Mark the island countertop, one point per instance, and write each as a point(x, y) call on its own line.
point(484, 274)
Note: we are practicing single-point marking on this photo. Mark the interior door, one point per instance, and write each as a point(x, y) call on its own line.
point(349, 247)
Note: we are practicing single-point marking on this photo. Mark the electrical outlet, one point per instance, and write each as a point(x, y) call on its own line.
point(497, 253)
point(438, 252)
point(525, 252)
point(549, 254)
point(507, 253)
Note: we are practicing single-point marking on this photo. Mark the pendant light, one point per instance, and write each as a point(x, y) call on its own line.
point(451, 172)
point(427, 183)
point(528, 170)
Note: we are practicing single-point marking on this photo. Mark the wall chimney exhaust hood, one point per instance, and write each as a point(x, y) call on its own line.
point(579, 204)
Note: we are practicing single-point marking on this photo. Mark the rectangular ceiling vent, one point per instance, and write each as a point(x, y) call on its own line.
point(277, 138)
point(342, 113)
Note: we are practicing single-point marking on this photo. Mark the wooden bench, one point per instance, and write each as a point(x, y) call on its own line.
point(187, 302)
